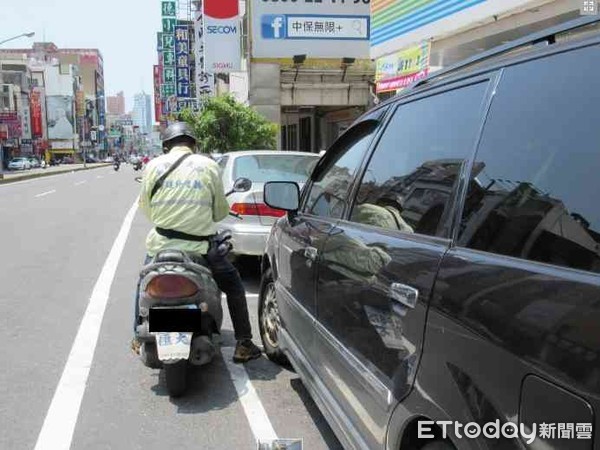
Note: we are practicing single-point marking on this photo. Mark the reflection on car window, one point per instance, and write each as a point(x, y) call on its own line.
point(535, 185)
point(329, 192)
point(412, 174)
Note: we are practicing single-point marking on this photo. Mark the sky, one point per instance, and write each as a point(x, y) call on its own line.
point(123, 30)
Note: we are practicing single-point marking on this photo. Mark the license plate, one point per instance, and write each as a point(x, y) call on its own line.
point(173, 345)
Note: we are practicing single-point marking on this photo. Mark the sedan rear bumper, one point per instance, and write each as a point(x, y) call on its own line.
point(250, 240)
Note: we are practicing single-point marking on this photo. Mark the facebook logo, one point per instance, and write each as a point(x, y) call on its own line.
point(273, 27)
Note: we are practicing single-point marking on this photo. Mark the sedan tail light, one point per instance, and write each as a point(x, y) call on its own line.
point(171, 286)
point(256, 209)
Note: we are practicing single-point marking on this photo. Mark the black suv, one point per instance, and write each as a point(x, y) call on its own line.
point(443, 261)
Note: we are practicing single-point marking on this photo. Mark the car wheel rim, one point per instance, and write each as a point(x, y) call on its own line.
point(270, 316)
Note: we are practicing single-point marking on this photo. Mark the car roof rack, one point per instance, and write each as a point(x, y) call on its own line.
point(548, 35)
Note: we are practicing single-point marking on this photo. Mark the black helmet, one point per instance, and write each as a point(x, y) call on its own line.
point(177, 129)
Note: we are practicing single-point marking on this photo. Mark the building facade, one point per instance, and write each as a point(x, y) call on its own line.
point(310, 69)
point(64, 103)
point(409, 42)
point(116, 104)
point(142, 112)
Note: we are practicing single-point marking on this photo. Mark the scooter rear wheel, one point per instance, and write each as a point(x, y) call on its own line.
point(176, 377)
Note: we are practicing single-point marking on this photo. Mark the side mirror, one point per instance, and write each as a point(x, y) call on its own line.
point(283, 195)
point(242, 185)
point(138, 179)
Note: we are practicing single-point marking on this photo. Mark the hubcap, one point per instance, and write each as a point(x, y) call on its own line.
point(270, 316)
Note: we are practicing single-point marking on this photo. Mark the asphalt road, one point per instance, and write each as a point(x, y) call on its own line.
point(56, 234)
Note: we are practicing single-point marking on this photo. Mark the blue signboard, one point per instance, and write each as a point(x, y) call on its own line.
point(182, 60)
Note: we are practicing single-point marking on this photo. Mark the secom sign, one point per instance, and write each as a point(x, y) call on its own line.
point(221, 36)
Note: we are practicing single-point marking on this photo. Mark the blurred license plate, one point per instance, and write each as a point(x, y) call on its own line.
point(173, 345)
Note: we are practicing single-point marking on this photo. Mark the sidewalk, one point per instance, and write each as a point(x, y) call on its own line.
point(11, 177)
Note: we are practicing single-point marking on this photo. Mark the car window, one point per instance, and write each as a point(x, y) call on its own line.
point(263, 168)
point(535, 189)
point(411, 176)
point(329, 190)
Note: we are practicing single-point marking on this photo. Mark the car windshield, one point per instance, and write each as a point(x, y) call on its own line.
point(263, 168)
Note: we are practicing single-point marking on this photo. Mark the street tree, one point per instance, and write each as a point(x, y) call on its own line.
point(226, 125)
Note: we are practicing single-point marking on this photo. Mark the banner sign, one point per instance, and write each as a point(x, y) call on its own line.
point(221, 33)
point(324, 29)
point(205, 82)
point(60, 117)
point(182, 57)
point(157, 82)
point(167, 58)
point(37, 127)
point(401, 69)
point(25, 118)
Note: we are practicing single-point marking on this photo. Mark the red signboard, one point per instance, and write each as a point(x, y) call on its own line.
point(157, 103)
point(13, 122)
point(221, 9)
point(37, 127)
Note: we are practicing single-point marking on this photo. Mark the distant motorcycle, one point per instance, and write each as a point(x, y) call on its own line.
point(137, 165)
point(116, 166)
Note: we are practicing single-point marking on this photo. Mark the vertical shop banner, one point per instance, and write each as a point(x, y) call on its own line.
point(25, 118)
point(157, 82)
point(205, 82)
point(182, 58)
point(167, 60)
point(400, 69)
point(221, 23)
point(37, 127)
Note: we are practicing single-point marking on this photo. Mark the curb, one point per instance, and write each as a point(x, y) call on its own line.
point(47, 174)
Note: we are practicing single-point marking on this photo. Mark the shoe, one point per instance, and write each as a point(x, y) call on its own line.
point(246, 351)
point(136, 346)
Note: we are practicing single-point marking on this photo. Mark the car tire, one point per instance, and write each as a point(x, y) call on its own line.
point(176, 378)
point(269, 321)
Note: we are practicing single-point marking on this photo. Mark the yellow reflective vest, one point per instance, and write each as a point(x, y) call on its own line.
point(191, 200)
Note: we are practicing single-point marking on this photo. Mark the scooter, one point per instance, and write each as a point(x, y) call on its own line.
point(116, 165)
point(180, 312)
point(137, 165)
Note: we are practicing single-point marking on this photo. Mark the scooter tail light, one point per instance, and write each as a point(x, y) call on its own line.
point(171, 286)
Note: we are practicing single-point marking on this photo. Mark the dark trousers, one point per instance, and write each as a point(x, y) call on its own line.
point(229, 282)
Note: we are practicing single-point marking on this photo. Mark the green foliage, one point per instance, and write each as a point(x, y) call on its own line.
point(225, 125)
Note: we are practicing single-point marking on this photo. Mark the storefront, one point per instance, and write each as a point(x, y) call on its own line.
point(310, 70)
point(409, 42)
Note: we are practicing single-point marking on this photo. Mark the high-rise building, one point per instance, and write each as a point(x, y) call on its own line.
point(142, 112)
point(116, 104)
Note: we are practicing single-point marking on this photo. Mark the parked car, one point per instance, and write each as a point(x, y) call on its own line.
point(443, 260)
point(34, 162)
point(260, 166)
point(19, 163)
point(91, 159)
point(108, 159)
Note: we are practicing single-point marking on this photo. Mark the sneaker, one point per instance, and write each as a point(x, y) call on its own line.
point(246, 351)
point(135, 346)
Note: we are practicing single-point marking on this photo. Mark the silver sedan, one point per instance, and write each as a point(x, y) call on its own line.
point(250, 234)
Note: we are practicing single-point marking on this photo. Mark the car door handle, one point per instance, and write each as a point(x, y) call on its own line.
point(404, 294)
point(311, 253)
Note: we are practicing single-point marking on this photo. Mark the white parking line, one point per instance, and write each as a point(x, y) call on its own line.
point(79, 183)
point(57, 431)
point(255, 412)
point(46, 193)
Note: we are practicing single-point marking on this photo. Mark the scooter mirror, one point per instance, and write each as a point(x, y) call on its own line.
point(242, 185)
point(138, 179)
